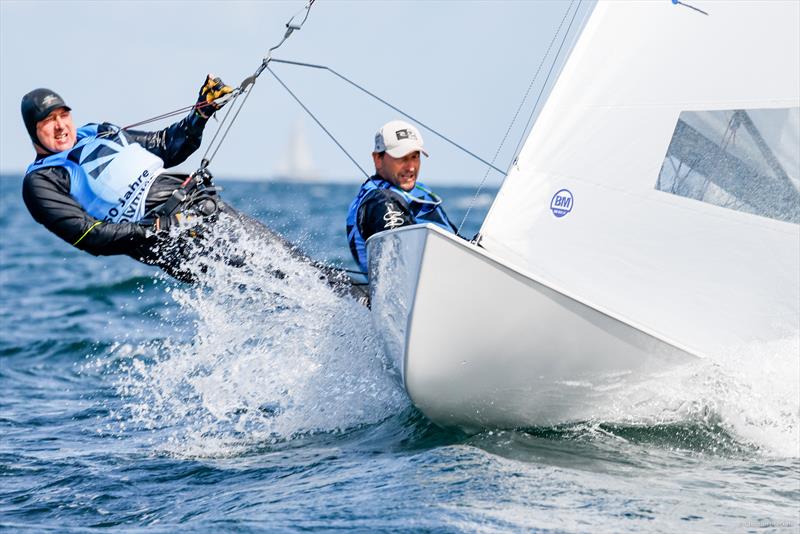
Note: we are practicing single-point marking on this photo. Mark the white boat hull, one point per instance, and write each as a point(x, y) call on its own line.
point(482, 345)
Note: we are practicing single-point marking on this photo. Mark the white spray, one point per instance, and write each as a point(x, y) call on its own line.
point(275, 353)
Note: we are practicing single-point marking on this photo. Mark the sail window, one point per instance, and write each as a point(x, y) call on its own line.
point(743, 159)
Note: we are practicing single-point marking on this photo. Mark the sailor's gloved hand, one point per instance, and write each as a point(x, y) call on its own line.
point(164, 223)
point(212, 89)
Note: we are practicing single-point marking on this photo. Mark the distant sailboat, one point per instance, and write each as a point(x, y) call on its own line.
point(297, 164)
point(651, 219)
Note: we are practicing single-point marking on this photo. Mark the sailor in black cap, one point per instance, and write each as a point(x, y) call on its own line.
point(97, 187)
point(105, 190)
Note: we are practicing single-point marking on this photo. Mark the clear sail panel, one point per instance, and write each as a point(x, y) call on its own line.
point(743, 159)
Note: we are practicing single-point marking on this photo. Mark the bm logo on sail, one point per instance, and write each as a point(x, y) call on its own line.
point(562, 203)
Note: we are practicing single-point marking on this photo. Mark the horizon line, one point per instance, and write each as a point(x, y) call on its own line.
point(286, 179)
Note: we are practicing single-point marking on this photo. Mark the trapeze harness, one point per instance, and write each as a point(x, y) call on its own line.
point(425, 209)
point(110, 176)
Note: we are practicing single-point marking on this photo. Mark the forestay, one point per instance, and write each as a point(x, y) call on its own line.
point(660, 181)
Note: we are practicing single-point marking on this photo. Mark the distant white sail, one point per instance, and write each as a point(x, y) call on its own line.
point(297, 163)
point(661, 179)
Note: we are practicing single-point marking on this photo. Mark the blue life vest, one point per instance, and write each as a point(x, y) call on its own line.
point(109, 175)
point(425, 208)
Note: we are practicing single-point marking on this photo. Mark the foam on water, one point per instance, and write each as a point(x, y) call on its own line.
point(754, 395)
point(274, 352)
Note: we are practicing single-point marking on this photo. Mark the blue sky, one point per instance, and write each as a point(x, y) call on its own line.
point(462, 67)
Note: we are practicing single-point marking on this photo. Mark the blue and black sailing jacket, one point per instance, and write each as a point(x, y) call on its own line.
point(109, 173)
point(381, 206)
point(59, 192)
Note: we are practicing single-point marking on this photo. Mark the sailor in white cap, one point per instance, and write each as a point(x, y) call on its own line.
point(393, 196)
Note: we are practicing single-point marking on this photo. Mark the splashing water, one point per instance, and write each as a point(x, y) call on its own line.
point(275, 352)
point(754, 395)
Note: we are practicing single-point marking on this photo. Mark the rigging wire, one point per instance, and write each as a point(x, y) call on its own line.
point(395, 108)
point(206, 159)
point(246, 87)
point(544, 85)
point(243, 88)
point(172, 113)
point(178, 111)
point(318, 122)
point(516, 113)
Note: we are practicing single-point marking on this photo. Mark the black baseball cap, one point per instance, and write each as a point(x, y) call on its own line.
point(37, 105)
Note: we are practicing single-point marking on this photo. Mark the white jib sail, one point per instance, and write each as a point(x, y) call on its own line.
point(660, 181)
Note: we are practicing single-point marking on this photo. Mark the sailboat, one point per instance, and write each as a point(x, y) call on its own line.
point(297, 164)
point(649, 221)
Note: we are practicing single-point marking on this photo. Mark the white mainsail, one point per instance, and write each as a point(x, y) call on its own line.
point(651, 219)
point(712, 262)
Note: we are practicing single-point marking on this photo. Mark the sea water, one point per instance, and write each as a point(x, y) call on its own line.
point(255, 402)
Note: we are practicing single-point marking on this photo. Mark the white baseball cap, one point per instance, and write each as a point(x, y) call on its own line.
point(398, 138)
